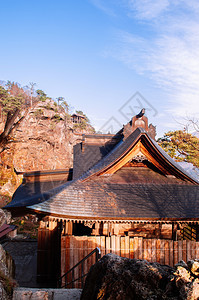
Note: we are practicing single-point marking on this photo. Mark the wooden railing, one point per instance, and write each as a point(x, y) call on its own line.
point(64, 282)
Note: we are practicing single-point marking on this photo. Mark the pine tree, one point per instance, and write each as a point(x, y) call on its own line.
point(181, 146)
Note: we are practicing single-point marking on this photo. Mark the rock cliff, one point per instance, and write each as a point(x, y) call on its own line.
point(43, 139)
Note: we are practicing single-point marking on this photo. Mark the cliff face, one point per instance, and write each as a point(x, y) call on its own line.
point(44, 139)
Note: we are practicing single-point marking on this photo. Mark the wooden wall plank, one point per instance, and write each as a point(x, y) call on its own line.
point(140, 247)
point(184, 250)
point(180, 250)
point(188, 250)
point(108, 244)
point(85, 245)
point(145, 249)
point(67, 259)
point(118, 245)
point(162, 252)
point(166, 253)
point(63, 255)
point(136, 252)
point(122, 245)
point(153, 250)
point(197, 250)
point(98, 242)
point(76, 258)
point(193, 249)
point(103, 245)
point(149, 251)
point(158, 250)
point(80, 256)
point(91, 246)
point(71, 261)
point(127, 246)
point(113, 246)
point(131, 248)
point(175, 251)
point(171, 253)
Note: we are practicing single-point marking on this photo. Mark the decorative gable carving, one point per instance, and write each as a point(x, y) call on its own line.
point(139, 122)
point(140, 157)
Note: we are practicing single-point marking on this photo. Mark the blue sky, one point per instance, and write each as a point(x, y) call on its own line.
point(99, 53)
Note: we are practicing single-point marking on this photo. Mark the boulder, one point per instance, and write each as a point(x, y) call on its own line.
point(115, 277)
point(194, 267)
point(118, 278)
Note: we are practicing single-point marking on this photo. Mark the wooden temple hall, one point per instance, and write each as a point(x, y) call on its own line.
point(124, 195)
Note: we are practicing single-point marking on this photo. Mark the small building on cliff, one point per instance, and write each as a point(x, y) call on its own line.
point(124, 194)
point(77, 118)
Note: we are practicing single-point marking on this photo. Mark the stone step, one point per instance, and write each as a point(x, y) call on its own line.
point(46, 294)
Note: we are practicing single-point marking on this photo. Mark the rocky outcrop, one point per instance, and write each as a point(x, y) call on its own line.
point(5, 217)
point(6, 272)
point(117, 278)
point(43, 140)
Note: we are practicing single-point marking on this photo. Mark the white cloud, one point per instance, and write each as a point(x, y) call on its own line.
point(148, 9)
point(169, 55)
point(102, 5)
point(153, 9)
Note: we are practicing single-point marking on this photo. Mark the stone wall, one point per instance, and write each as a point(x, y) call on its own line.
point(24, 254)
point(46, 294)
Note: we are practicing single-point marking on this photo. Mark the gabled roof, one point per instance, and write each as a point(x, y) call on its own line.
point(154, 150)
point(107, 192)
point(78, 115)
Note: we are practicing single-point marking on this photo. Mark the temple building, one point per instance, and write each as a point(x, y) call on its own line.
point(77, 118)
point(124, 194)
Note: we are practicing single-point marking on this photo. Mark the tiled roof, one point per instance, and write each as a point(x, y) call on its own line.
point(34, 192)
point(105, 199)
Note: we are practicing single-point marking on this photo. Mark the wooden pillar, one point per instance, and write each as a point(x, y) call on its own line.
point(70, 227)
point(48, 253)
point(105, 228)
point(96, 231)
point(174, 231)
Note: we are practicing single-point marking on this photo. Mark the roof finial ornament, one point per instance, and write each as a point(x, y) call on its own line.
point(141, 113)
